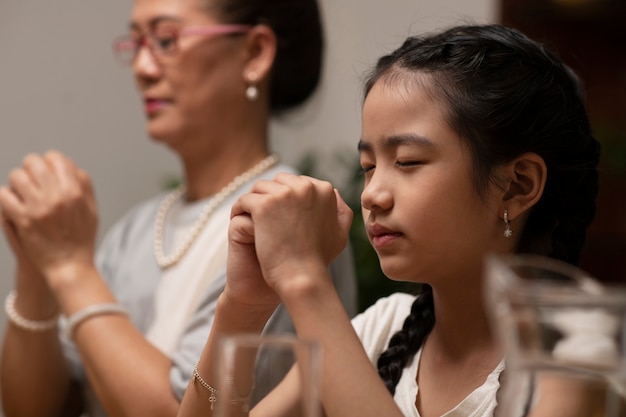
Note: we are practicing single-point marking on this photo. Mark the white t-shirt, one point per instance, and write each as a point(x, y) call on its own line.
point(379, 323)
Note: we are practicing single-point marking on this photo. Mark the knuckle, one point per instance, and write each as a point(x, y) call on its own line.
point(16, 175)
point(30, 159)
point(327, 188)
point(26, 224)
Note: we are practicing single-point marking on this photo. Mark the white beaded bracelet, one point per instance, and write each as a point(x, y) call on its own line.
point(24, 323)
point(91, 311)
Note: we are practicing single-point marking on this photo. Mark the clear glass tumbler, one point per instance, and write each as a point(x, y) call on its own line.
point(250, 372)
point(564, 334)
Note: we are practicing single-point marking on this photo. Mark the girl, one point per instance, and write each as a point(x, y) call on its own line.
point(475, 140)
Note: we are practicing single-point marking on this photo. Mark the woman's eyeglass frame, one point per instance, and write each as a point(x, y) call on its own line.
point(127, 47)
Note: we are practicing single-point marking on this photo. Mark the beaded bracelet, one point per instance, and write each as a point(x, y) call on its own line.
point(89, 312)
point(24, 323)
point(213, 391)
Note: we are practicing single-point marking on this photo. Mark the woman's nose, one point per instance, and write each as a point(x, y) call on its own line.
point(145, 66)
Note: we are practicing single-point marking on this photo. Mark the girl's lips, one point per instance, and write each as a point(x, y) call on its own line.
point(384, 239)
point(381, 236)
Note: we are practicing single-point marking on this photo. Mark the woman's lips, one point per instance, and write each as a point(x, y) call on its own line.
point(154, 105)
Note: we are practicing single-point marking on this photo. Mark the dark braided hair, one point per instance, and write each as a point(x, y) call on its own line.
point(505, 95)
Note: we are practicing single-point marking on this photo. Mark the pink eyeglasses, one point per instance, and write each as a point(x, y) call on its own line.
point(165, 42)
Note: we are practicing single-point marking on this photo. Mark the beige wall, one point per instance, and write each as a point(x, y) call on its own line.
point(61, 88)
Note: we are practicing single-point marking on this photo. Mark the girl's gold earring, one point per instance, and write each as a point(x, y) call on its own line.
point(507, 226)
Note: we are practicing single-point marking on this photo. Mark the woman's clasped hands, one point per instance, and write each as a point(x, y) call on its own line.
point(49, 215)
point(281, 235)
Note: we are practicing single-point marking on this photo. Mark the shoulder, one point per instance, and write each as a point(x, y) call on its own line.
point(379, 322)
point(386, 310)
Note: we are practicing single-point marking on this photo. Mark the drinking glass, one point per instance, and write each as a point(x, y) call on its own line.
point(564, 335)
point(250, 366)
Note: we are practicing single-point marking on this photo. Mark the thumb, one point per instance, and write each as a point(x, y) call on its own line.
point(9, 231)
point(344, 216)
point(241, 229)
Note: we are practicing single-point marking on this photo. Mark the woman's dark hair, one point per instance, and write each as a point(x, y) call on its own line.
point(300, 42)
point(505, 95)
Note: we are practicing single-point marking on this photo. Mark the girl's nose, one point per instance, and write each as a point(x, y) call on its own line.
point(377, 194)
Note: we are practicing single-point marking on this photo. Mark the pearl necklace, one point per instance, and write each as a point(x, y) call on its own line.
point(165, 261)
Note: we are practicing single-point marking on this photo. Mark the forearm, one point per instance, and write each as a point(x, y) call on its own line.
point(128, 374)
point(350, 384)
point(35, 377)
point(230, 318)
point(33, 365)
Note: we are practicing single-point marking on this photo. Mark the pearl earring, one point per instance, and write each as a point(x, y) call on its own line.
point(252, 92)
point(507, 227)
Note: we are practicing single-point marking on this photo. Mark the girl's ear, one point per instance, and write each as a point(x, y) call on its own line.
point(260, 50)
point(526, 178)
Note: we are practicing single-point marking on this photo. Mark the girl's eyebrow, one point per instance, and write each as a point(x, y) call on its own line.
point(364, 146)
point(409, 139)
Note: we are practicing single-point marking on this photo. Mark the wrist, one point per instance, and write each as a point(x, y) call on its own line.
point(88, 312)
point(304, 283)
point(65, 277)
point(35, 300)
point(28, 321)
point(242, 318)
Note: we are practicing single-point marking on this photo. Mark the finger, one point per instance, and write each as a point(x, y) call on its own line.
point(315, 181)
point(84, 181)
point(9, 231)
point(61, 164)
point(246, 204)
point(302, 183)
point(285, 178)
point(241, 229)
point(66, 172)
point(55, 157)
point(236, 209)
point(22, 186)
point(87, 186)
point(12, 206)
point(265, 186)
point(345, 215)
point(39, 171)
point(305, 185)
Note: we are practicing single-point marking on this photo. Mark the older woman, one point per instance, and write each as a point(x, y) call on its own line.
point(136, 313)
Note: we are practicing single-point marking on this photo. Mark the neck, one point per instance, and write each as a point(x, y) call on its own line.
point(462, 326)
point(212, 156)
point(206, 173)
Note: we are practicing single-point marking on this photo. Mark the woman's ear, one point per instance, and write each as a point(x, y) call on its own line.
point(260, 54)
point(526, 178)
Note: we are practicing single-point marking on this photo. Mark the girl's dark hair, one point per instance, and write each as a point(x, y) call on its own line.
point(505, 95)
point(298, 28)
